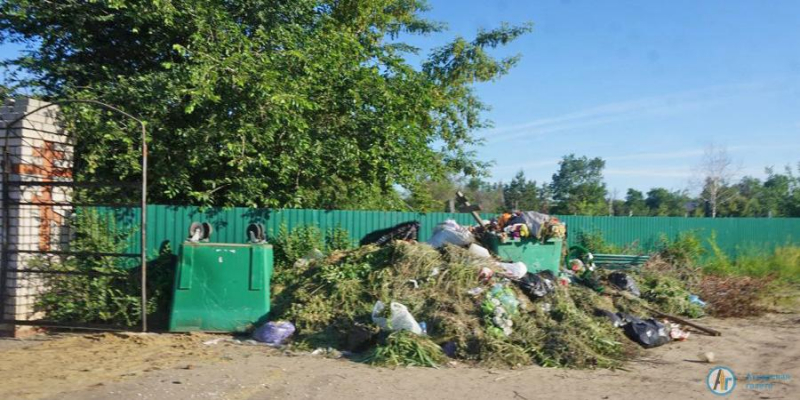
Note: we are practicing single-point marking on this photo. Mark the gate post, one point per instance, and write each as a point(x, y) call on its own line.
point(34, 217)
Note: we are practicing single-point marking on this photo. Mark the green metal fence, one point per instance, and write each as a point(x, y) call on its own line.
point(170, 224)
point(732, 234)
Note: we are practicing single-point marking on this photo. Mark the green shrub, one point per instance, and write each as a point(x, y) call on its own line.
point(686, 249)
point(595, 242)
point(669, 295)
point(95, 288)
point(782, 263)
point(338, 239)
point(290, 246)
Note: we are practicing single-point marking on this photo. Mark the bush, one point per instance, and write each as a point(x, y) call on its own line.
point(669, 295)
point(338, 239)
point(596, 243)
point(99, 289)
point(781, 264)
point(290, 246)
point(686, 249)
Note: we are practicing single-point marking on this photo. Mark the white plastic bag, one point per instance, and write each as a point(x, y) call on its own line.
point(312, 256)
point(399, 319)
point(479, 251)
point(451, 232)
point(514, 270)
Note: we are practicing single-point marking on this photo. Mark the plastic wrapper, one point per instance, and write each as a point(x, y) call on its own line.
point(451, 232)
point(399, 318)
point(514, 270)
point(274, 333)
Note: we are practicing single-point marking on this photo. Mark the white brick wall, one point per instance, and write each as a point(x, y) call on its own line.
point(28, 141)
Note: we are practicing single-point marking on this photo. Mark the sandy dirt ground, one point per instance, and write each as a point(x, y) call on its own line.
point(163, 366)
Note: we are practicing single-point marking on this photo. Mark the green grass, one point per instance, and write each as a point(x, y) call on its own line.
point(781, 264)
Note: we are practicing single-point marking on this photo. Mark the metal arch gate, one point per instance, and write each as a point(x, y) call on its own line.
point(40, 256)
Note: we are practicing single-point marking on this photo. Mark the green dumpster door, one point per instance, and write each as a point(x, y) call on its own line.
point(221, 287)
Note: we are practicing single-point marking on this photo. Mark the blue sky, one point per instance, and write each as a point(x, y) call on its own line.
point(646, 85)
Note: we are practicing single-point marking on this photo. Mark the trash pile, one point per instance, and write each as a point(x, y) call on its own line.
point(411, 303)
point(525, 224)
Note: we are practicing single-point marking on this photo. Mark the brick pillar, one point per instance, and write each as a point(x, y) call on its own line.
point(39, 151)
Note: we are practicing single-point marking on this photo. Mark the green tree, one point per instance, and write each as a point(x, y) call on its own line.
point(664, 203)
point(488, 195)
point(747, 200)
point(5, 92)
point(792, 207)
point(545, 197)
point(777, 193)
point(521, 194)
point(634, 203)
point(306, 103)
point(578, 187)
point(432, 195)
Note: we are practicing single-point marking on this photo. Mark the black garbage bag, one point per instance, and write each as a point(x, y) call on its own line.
point(624, 281)
point(648, 333)
point(616, 319)
point(537, 285)
point(404, 231)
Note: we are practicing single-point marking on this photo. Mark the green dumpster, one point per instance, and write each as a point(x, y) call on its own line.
point(221, 287)
point(537, 256)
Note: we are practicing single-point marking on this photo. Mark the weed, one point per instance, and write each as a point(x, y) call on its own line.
point(686, 249)
point(404, 348)
point(98, 288)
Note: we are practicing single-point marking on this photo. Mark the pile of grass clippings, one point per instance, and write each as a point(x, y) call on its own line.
point(329, 298)
point(669, 295)
point(403, 348)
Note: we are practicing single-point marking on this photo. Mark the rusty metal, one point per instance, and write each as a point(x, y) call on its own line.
point(49, 182)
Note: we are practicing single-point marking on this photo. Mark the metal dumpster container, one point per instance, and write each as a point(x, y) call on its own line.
point(537, 256)
point(221, 287)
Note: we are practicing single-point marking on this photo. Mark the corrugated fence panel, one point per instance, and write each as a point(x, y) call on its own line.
point(170, 225)
point(732, 234)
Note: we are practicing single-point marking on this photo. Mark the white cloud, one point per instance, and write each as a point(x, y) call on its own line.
point(524, 165)
point(650, 172)
point(668, 104)
point(657, 155)
point(685, 153)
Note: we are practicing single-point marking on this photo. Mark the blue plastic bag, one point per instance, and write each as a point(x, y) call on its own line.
point(696, 300)
point(274, 333)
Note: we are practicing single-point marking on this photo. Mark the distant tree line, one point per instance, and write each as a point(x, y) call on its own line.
point(577, 188)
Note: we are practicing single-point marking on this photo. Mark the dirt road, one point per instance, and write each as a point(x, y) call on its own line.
point(198, 366)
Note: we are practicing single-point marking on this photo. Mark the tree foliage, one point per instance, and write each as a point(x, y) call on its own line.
point(662, 202)
point(521, 194)
point(304, 103)
point(578, 186)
